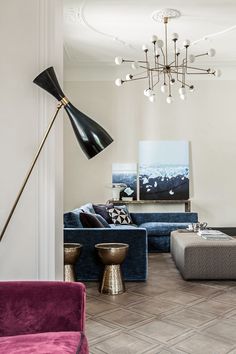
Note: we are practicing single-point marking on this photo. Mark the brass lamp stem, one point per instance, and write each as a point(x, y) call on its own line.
point(63, 102)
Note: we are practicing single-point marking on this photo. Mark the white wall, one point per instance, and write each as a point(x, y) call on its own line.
point(206, 119)
point(31, 35)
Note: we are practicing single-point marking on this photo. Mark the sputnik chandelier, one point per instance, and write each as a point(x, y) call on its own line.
point(166, 69)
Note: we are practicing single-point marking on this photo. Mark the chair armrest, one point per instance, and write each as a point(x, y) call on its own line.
point(41, 306)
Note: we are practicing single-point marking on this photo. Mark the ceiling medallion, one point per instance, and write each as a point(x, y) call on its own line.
point(159, 15)
point(166, 68)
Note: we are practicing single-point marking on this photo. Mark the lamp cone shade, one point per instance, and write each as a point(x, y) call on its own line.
point(90, 135)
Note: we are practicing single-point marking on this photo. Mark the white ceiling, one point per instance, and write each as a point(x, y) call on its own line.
point(95, 31)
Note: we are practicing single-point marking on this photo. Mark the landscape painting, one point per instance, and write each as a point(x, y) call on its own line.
point(126, 173)
point(164, 170)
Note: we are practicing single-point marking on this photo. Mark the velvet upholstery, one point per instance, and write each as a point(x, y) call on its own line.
point(160, 225)
point(162, 228)
point(41, 343)
point(42, 309)
point(139, 218)
point(156, 228)
point(89, 266)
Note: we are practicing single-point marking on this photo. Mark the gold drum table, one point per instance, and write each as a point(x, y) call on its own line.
point(112, 255)
point(71, 254)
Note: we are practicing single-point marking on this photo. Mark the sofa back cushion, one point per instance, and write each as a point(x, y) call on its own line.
point(140, 218)
point(72, 219)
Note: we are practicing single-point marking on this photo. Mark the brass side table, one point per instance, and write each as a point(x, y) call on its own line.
point(112, 255)
point(71, 254)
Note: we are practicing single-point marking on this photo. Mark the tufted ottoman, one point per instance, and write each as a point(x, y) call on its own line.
point(197, 258)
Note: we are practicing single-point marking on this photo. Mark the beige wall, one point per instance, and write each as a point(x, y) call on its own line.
point(206, 120)
point(31, 40)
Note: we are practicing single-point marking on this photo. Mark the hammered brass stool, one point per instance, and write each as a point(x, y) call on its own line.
point(71, 254)
point(112, 255)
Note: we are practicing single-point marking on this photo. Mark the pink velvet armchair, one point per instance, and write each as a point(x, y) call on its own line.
point(42, 317)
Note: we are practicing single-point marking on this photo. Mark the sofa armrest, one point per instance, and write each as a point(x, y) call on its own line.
point(41, 306)
point(140, 218)
point(135, 264)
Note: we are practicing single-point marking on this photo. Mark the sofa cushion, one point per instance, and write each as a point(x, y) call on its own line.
point(72, 219)
point(102, 209)
point(162, 228)
point(90, 220)
point(88, 208)
point(41, 343)
point(118, 226)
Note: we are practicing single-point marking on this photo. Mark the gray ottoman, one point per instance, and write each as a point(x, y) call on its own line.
point(197, 258)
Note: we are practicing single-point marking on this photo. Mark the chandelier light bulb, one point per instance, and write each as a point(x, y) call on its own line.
point(183, 97)
point(150, 92)
point(144, 47)
point(160, 43)
point(129, 77)
point(135, 65)
point(211, 52)
point(218, 73)
point(191, 88)
point(177, 51)
point(152, 98)
point(191, 58)
point(169, 99)
point(154, 39)
point(186, 43)
point(118, 60)
point(164, 88)
point(172, 82)
point(175, 36)
point(118, 82)
point(182, 91)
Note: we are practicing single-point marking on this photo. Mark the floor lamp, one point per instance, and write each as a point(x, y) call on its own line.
point(90, 135)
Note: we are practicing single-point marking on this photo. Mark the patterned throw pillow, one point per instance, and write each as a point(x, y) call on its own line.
point(120, 216)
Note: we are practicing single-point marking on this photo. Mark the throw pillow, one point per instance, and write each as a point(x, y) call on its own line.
point(90, 221)
point(102, 209)
point(102, 221)
point(72, 219)
point(120, 216)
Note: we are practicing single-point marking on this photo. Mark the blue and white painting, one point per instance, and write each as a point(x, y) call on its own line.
point(126, 173)
point(164, 170)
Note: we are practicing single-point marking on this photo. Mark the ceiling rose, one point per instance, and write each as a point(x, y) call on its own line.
point(159, 15)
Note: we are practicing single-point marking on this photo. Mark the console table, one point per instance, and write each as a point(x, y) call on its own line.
point(187, 203)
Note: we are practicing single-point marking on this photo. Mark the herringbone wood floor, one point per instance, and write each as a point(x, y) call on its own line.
point(164, 315)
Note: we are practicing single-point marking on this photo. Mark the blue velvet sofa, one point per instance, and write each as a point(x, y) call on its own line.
point(149, 233)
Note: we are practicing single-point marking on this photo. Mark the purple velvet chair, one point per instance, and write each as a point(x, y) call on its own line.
point(42, 317)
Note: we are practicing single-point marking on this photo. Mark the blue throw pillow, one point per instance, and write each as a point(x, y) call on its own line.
point(72, 219)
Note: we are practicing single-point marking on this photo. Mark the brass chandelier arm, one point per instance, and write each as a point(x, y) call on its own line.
point(63, 102)
point(137, 78)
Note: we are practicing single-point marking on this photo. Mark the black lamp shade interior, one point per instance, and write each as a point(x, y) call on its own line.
point(90, 135)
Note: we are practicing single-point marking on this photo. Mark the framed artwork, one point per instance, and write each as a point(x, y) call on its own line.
point(164, 170)
point(126, 173)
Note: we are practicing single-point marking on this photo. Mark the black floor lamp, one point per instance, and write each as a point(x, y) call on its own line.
point(90, 135)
